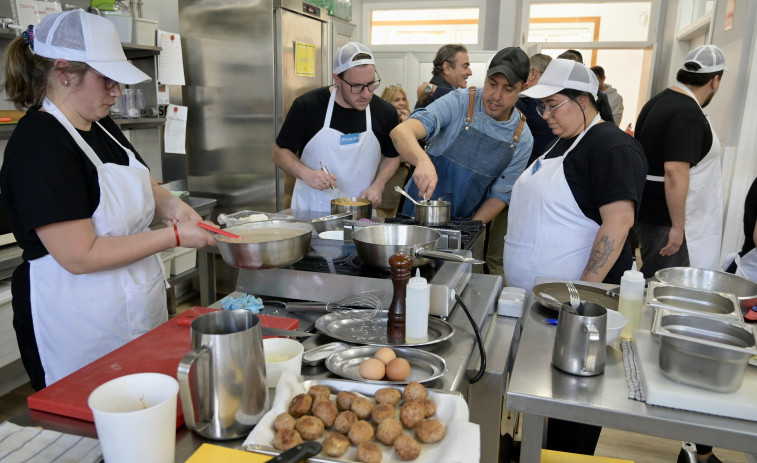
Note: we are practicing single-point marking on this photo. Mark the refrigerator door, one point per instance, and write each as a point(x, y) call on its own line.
point(301, 66)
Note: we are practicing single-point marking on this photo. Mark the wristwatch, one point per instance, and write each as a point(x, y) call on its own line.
point(427, 90)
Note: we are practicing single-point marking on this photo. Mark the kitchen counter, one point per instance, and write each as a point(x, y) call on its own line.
point(539, 390)
point(461, 353)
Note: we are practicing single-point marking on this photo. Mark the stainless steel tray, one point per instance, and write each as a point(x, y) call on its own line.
point(559, 291)
point(373, 332)
point(424, 366)
point(708, 303)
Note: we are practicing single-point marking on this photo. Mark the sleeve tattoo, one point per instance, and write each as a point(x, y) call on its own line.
point(600, 254)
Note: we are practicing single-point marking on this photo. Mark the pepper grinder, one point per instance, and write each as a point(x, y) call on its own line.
point(395, 325)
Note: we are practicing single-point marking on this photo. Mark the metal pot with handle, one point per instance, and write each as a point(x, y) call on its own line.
point(376, 244)
point(429, 213)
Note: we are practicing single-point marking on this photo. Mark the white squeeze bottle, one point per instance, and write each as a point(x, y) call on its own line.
point(631, 300)
point(417, 302)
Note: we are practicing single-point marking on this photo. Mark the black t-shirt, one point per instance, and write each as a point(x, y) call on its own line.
point(308, 113)
point(750, 218)
point(671, 128)
point(46, 178)
point(606, 166)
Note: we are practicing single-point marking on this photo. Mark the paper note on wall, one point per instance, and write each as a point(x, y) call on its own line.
point(170, 62)
point(176, 129)
point(26, 12)
point(44, 8)
point(304, 59)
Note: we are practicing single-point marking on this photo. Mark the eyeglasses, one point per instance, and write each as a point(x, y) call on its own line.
point(358, 88)
point(549, 110)
point(109, 83)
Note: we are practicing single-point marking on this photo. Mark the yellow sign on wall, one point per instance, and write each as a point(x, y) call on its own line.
point(304, 59)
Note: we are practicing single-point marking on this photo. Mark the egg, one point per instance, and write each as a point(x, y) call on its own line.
point(385, 354)
point(372, 368)
point(398, 369)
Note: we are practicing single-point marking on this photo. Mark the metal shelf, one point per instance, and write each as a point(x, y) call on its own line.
point(141, 123)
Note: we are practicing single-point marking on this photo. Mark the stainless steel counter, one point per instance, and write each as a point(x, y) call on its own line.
point(539, 390)
point(461, 353)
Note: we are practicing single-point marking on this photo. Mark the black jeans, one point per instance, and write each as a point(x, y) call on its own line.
point(652, 238)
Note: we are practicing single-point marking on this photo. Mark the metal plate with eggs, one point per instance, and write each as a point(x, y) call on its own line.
point(424, 366)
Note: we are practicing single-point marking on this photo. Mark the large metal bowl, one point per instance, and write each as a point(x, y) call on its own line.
point(745, 290)
point(266, 254)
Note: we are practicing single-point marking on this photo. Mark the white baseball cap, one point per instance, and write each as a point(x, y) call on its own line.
point(708, 58)
point(561, 74)
point(345, 55)
point(80, 36)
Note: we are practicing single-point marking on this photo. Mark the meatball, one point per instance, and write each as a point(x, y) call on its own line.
point(300, 405)
point(344, 400)
point(429, 431)
point(415, 391)
point(286, 439)
point(381, 412)
point(368, 452)
point(344, 422)
point(309, 427)
point(335, 444)
point(361, 432)
point(388, 395)
point(319, 391)
point(388, 431)
point(411, 413)
point(430, 407)
point(284, 421)
point(326, 411)
point(362, 407)
point(317, 400)
point(407, 448)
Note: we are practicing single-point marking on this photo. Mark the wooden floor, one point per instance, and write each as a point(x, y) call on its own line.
point(612, 443)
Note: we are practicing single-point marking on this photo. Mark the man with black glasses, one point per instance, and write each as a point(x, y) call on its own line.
point(344, 127)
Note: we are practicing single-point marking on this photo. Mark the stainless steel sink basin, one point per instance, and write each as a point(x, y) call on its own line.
point(698, 301)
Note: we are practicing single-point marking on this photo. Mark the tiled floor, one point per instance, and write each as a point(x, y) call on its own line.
point(612, 443)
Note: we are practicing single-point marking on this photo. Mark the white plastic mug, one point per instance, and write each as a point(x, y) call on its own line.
point(135, 418)
point(281, 354)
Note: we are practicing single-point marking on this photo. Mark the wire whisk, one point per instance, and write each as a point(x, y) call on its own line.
point(339, 197)
point(365, 305)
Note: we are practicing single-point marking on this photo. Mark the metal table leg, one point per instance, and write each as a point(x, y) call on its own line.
point(207, 277)
point(531, 441)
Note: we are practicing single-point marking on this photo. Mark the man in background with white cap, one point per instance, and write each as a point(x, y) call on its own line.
point(344, 127)
point(681, 217)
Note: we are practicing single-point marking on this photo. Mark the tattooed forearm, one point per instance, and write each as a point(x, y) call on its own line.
point(599, 255)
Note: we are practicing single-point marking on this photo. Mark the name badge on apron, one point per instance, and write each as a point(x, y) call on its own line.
point(349, 139)
point(536, 166)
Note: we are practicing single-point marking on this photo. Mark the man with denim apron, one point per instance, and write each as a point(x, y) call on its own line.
point(681, 217)
point(478, 143)
point(344, 128)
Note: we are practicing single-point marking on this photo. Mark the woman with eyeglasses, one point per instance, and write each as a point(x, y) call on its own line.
point(344, 127)
point(80, 199)
point(572, 208)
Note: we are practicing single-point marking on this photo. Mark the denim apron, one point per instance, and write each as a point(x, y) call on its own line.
point(469, 166)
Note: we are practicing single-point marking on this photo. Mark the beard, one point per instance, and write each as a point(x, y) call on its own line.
point(707, 100)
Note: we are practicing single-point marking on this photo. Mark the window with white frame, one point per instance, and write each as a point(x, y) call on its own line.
point(424, 26)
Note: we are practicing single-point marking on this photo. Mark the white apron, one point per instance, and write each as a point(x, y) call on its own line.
point(704, 204)
point(79, 318)
point(352, 158)
point(548, 235)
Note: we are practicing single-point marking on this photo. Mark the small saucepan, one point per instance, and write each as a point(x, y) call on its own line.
point(377, 243)
point(429, 213)
point(360, 208)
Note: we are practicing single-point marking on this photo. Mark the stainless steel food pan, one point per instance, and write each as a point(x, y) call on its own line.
point(697, 301)
point(705, 352)
point(701, 278)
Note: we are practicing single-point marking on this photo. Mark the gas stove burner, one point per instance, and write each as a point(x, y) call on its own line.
point(455, 223)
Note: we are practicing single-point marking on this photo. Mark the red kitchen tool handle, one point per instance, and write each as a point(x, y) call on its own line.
point(217, 230)
point(185, 321)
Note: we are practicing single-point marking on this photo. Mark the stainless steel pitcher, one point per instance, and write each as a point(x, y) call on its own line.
point(225, 394)
point(580, 340)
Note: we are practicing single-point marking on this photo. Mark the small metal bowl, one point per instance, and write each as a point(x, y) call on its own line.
point(705, 352)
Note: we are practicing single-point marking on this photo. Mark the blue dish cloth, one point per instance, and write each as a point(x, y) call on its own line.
point(245, 301)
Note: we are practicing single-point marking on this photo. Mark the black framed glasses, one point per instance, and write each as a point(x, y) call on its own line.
point(358, 88)
point(109, 83)
point(549, 110)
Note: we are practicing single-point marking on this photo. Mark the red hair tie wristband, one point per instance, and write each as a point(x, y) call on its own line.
point(176, 232)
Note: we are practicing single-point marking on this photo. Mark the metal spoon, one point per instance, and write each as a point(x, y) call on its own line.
point(563, 305)
point(403, 193)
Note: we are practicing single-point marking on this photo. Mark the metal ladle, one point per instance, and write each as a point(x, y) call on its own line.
point(403, 193)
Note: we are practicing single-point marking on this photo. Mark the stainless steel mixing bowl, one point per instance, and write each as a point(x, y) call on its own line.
point(266, 254)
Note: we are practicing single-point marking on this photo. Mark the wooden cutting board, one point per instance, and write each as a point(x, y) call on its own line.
point(157, 351)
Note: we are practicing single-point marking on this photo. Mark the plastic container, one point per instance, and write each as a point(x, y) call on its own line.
point(123, 23)
point(144, 31)
point(511, 301)
point(183, 259)
point(417, 305)
point(281, 354)
point(631, 300)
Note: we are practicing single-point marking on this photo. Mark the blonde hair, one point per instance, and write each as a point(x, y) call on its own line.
point(391, 91)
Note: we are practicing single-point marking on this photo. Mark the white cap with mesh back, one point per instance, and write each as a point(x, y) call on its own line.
point(343, 60)
point(708, 58)
point(561, 74)
point(80, 36)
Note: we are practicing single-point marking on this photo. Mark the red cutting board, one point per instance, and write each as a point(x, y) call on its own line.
point(157, 351)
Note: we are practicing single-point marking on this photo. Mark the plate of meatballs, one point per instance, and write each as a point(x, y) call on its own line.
point(367, 423)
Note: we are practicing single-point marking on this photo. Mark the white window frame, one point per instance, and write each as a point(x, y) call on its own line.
point(370, 6)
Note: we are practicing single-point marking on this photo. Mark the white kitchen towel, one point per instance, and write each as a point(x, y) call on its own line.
point(635, 391)
point(19, 444)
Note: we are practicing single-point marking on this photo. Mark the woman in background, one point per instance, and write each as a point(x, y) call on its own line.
point(390, 200)
point(80, 200)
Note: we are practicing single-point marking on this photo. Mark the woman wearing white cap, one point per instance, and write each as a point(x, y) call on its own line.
point(80, 200)
point(572, 208)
